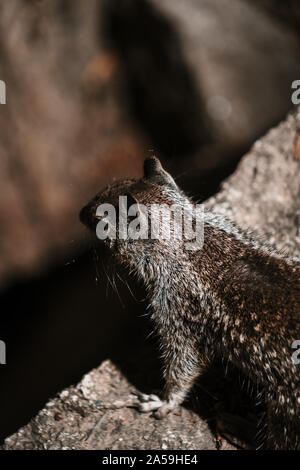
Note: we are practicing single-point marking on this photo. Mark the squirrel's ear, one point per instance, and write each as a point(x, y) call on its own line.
point(154, 171)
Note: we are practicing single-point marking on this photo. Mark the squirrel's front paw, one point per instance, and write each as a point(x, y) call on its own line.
point(148, 402)
point(165, 409)
point(154, 403)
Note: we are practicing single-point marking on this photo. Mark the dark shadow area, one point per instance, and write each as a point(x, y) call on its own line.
point(160, 89)
point(201, 184)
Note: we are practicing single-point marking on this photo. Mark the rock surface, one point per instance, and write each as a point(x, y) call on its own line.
point(95, 415)
point(264, 192)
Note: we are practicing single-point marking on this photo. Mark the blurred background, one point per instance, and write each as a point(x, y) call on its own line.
point(92, 88)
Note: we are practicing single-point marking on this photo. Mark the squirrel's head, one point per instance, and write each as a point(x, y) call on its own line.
point(135, 217)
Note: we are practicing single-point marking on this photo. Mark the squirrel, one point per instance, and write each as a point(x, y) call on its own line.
point(235, 297)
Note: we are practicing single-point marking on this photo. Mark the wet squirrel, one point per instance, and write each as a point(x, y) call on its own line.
point(235, 297)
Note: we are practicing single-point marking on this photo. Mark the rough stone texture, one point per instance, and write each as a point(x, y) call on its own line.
point(264, 193)
point(94, 415)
